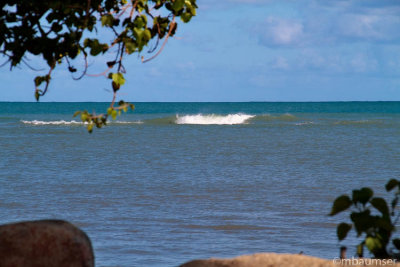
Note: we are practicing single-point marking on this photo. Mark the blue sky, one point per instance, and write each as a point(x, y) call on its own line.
point(253, 50)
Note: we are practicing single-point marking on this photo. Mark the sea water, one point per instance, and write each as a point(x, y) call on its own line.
point(171, 182)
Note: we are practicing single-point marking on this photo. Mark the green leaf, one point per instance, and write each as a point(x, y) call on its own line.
point(114, 114)
point(380, 204)
point(95, 47)
point(146, 35)
point(111, 64)
point(360, 249)
point(384, 226)
point(109, 110)
point(391, 184)
point(107, 20)
point(138, 33)
point(373, 243)
point(396, 243)
point(90, 127)
point(84, 117)
point(130, 47)
point(87, 42)
point(77, 113)
point(362, 221)
point(115, 86)
point(140, 21)
point(37, 95)
point(38, 80)
point(384, 223)
point(342, 230)
point(340, 204)
point(118, 78)
point(178, 5)
point(363, 195)
point(190, 8)
point(186, 17)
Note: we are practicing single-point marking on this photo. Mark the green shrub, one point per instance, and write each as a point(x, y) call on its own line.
point(372, 219)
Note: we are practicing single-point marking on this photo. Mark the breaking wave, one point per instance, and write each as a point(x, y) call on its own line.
point(229, 119)
point(179, 119)
point(216, 119)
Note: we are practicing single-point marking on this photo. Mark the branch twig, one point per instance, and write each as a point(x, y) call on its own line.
point(171, 27)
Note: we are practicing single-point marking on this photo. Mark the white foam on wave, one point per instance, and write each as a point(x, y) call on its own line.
point(304, 123)
point(229, 119)
point(125, 122)
point(61, 122)
point(73, 122)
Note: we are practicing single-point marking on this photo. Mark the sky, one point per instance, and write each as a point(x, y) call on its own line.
point(252, 50)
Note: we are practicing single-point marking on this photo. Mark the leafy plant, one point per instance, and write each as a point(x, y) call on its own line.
point(63, 30)
point(372, 219)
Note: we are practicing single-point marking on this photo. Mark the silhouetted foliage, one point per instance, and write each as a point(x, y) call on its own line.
point(372, 219)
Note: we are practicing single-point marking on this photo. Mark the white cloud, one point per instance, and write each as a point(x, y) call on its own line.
point(155, 72)
point(327, 23)
point(362, 63)
point(369, 27)
point(280, 32)
point(280, 63)
point(185, 66)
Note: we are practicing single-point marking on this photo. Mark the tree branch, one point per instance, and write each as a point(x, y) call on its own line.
point(172, 25)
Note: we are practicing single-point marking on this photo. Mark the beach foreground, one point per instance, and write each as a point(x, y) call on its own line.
point(287, 260)
point(48, 243)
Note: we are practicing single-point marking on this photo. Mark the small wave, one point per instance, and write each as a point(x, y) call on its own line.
point(61, 122)
point(304, 123)
point(228, 227)
point(161, 121)
point(269, 117)
point(124, 122)
point(73, 122)
point(360, 122)
point(229, 119)
point(287, 117)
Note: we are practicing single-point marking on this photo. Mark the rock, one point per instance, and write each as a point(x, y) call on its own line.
point(284, 260)
point(45, 243)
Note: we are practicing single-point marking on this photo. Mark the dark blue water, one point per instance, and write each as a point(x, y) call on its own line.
point(171, 182)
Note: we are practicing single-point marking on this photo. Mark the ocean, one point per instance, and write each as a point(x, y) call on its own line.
point(172, 182)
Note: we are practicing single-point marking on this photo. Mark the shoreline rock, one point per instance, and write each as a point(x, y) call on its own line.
point(45, 243)
point(284, 260)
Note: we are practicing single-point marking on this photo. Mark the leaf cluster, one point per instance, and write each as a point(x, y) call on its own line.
point(58, 32)
point(91, 119)
point(372, 219)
